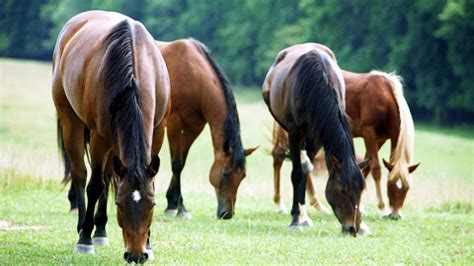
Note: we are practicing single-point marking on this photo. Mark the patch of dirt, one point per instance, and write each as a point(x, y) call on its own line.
point(7, 226)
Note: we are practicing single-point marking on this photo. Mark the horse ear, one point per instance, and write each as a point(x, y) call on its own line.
point(119, 169)
point(154, 166)
point(412, 168)
point(388, 165)
point(364, 163)
point(249, 151)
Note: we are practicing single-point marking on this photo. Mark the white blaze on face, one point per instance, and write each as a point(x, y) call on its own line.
point(399, 183)
point(136, 196)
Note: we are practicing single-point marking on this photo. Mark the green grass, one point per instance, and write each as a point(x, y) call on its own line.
point(437, 227)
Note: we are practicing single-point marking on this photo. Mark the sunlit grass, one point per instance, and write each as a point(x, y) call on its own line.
point(437, 225)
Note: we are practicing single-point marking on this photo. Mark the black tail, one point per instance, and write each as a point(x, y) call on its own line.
point(232, 138)
point(123, 101)
point(315, 93)
point(62, 150)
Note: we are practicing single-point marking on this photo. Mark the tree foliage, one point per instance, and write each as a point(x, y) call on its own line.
point(429, 42)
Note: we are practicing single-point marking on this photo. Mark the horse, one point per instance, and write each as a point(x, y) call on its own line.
point(304, 91)
point(378, 111)
point(201, 93)
point(111, 90)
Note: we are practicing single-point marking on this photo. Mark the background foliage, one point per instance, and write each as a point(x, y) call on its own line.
point(429, 42)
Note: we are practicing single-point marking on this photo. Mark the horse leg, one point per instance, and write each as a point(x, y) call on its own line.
point(71, 195)
point(372, 148)
point(95, 189)
point(73, 137)
point(180, 137)
point(278, 158)
point(298, 180)
point(101, 218)
point(313, 199)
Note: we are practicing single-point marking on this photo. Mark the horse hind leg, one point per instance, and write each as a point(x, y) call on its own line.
point(278, 157)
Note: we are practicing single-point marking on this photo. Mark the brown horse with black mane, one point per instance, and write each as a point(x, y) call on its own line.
point(304, 91)
point(202, 94)
point(378, 112)
point(110, 81)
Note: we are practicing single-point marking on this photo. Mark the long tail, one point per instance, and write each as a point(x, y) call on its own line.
point(62, 150)
point(315, 93)
point(232, 124)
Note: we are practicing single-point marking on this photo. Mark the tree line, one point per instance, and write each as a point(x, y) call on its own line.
point(430, 43)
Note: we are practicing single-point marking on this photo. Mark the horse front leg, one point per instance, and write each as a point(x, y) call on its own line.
point(298, 179)
point(95, 189)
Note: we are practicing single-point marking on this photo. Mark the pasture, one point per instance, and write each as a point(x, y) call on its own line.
point(36, 228)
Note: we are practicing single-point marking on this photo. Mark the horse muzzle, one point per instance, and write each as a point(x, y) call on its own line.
point(136, 259)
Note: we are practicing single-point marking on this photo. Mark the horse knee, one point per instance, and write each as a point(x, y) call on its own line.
point(376, 172)
point(177, 166)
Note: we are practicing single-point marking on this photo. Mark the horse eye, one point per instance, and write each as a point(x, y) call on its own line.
point(225, 174)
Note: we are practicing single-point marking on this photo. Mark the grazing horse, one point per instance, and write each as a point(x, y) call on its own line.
point(110, 81)
point(378, 111)
point(202, 94)
point(304, 91)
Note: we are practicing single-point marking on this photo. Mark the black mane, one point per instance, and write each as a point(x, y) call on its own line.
point(123, 102)
point(328, 121)
point(232, 140)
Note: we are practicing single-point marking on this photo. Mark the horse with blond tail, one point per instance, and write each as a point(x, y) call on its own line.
point(378, 111)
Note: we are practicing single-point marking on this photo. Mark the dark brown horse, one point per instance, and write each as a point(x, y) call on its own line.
point(110, 81)
point(304, 91)
point(202, 94)
point(378, 112)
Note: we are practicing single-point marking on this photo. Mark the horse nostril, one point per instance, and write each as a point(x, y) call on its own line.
point(126, 257)
point(143, 258)
point(352, 231)
point(224, 215)
point(349, 229)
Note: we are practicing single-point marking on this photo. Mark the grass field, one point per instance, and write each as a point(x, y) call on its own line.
point(36, 228)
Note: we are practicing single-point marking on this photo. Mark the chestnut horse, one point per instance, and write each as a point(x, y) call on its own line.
point(110, 81)
point(304, 91)
point(378, 112)
point(202, 94)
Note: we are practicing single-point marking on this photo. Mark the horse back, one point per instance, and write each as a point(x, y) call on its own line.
point(277, 85)
point(79, 67)
point(370, 103)
point(196, 90)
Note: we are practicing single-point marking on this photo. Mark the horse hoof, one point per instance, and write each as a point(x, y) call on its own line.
point(185, 215)
point(322, 209)
point(151, 256)
point(280, 208)
point(364, 230)
point(73, 210)
point(100, 241)
point(295, 228)
point(307, 223)
point(84, 249)
point(394, 216)
point(171, 212)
